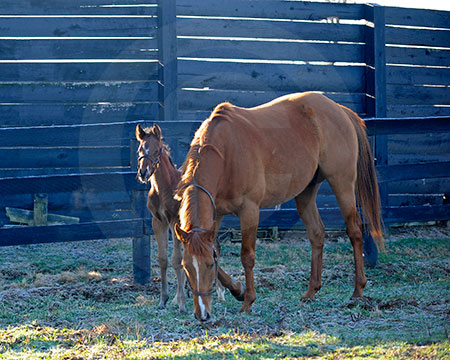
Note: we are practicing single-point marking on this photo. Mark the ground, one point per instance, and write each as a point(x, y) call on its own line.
point(77, 301)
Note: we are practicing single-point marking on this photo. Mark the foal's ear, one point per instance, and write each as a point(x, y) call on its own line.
point(140, 132)
point(156, 130)
point(181, 234)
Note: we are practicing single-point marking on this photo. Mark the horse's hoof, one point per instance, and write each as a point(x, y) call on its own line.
point(163, 302)
point(241, 295)
point(182, 309)
point(245, 308)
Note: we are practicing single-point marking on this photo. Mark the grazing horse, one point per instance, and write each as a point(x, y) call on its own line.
point(156, 166)
point(244, 159)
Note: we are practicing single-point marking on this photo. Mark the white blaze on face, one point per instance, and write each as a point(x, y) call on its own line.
point(200, 301)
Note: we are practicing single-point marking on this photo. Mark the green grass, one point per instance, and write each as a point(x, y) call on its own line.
point(77, 301)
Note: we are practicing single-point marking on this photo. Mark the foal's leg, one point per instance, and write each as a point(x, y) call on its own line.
point(307, 209)
point(345, 195)
point(249, 217)
point(160, 229)
point(180, 297)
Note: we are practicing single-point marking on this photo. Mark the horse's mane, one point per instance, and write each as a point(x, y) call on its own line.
point(196, 245)
point(200, 141)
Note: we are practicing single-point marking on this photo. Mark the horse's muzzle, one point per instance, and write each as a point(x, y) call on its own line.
point(199, 318)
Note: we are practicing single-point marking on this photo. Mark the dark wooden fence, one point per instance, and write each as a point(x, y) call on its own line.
point(77, 76)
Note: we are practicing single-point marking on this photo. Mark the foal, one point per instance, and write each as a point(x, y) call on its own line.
point(156, 166)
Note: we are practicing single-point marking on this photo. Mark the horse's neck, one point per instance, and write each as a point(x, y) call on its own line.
point(200, 211)
point(166, 176)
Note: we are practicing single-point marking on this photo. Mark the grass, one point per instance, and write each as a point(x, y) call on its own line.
point(77, 301)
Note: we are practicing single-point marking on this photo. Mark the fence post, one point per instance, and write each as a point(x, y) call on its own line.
point(141, 245)
point(40, 210)
point(167, 45)
point(376, 102)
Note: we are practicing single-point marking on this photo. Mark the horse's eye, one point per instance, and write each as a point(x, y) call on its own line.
point(211, 266)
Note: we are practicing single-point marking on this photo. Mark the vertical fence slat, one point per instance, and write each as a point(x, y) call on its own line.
point(167, 45)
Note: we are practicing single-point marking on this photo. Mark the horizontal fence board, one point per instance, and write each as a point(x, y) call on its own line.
point(67, 26)
point(24, 115)
point(420, 186)
point(299, 10)
point(396, 110)
point(389, 126)
point(120, 181)
point(78, 49)
point(76, 232)
point(14, 158)
point(79, 71)
point(417, 56)
point(286, 219)
point(270, 50)
point(417, 37)
point(79, 92)
point(117, 134)
point(418, 95)
point(278, 77)
point(72, 201)
point(417, 17)
point(413, 171)
point(77, 7)
point(193, 115)
point(207, 100)
point(273, 29)
point(411, 75)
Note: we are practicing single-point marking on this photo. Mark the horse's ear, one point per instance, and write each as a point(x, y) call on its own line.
point(140, 132)
point(181, 234)
point(156, 130)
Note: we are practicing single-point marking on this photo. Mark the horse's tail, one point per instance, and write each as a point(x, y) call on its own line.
point(367, 192)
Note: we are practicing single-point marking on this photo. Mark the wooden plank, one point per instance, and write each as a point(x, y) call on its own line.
point(298, 10)
point(411, 75)
point(287, 219)
point(207, 100)
point(274, 29)
point(79, 71)
point(77, 232)
point(26, 217)
point(119, 181)
point(418, 95)
point(417, 37)
point(407, 125)
point(167, 55)
point(63, 157)
point(25, 115)
point(77, 7)
point(67, 26)
point(116, 134)
point(402, 172)
point(45, 49)
point(417, 17)
point(417, 56)
point(396, 110)
point(79, 92)
point(270, 50)
point(270, 77)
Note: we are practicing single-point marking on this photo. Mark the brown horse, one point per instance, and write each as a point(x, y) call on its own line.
point(242, 160)
point(156, 167)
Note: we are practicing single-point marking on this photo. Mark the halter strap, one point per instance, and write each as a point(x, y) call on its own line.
point(209, 292)
point(155, 162)
point(210, 198)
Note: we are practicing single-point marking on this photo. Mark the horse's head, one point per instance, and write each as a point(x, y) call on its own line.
point(149, 151)
point(201, 267)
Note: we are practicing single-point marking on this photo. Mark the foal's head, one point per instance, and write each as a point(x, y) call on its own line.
point(149, 151)
point(201, 267)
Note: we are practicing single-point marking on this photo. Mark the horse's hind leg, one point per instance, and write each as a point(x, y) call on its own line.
point(345, 195)
point(307, 209)
point(160, 229)
point(180, 297)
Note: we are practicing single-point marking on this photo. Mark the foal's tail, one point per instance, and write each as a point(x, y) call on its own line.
point(367, 192)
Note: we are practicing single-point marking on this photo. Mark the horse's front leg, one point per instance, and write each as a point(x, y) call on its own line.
point(249, 227)
point(235, 288)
